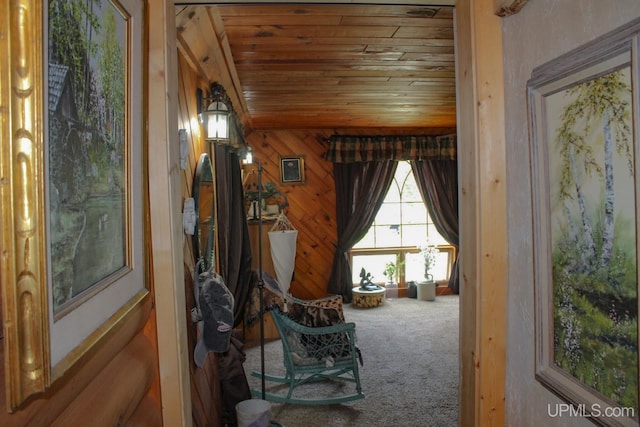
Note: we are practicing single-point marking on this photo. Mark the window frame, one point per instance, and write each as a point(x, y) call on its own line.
point(400, 252)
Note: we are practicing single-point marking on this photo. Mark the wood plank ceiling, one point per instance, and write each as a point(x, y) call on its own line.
point(333, 66)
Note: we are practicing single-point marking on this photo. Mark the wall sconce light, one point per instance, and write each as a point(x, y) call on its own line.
point(215, 116)
point(247, 156)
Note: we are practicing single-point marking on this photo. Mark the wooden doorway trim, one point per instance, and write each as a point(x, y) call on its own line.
point(483, 222)
point(482, 201)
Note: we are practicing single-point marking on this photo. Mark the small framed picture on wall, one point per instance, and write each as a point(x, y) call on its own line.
point(292, 169)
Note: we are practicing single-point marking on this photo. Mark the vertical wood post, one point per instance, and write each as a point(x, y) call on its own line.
point(483, 223)
point(165, 214)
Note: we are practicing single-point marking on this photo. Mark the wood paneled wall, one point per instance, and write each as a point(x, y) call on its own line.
point(115, 382)
point(205, 384)
point(312, 205)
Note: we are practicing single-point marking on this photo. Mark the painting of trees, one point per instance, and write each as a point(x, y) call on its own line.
point(593, 233)
point(87, 55)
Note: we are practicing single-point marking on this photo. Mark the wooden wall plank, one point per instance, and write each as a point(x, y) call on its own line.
point(145, 415)
point(271, 20)
point(204, 383)
point(247, 31)
point(114, 394)
point(338, 43)
point(44, 410)
point(240, 10)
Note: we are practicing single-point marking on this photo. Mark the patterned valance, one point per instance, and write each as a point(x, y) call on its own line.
point(349, 149)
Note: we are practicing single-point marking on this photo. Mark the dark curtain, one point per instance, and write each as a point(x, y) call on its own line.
point(234, 255)
point(438, 183)
point(234, 247)
point(360, 191)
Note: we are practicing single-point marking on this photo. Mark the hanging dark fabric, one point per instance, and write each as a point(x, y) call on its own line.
point(234, 256)
point(437, 181)
point(348, 149)
point(360, 191)
point(234, 252)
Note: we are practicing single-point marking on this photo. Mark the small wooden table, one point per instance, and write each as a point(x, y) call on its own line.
point(368, 299)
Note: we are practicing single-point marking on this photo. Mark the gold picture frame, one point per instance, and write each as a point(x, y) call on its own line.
point(583, 117)
point(40, 343)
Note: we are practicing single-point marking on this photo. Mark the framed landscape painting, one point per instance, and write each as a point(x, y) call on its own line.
point(87, 151)
point(74, 205)
point(95, 202)
point(584, 149)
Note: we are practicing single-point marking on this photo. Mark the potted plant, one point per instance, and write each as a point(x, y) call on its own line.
point(390, 271)
point(269, 190)
point(427, 288)
point(429, 253)
point(251, 193)
point(391, 285)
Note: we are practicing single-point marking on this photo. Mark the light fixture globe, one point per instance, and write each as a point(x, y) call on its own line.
point(215, 117)
point(247, 156)
point(217, 121)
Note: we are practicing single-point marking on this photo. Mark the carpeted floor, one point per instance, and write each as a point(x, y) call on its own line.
point(410, 372)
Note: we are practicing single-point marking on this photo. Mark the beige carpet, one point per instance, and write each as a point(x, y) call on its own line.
point(410, 372)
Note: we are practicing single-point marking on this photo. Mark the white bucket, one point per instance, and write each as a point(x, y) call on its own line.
point(253, 413)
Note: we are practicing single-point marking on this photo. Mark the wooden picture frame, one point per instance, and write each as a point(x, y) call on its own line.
point(583, 111)
point(73, 166)
point(292, 169)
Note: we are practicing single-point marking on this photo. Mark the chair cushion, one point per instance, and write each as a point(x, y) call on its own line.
point(318, 312)
point(309, 315)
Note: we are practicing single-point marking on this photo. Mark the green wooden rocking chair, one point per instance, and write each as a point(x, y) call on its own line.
point(312, 354)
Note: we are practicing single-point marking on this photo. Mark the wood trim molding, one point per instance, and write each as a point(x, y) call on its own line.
point(165, 215)
point(483, 224)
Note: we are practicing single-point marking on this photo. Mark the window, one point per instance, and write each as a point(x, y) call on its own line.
point(400, 227)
